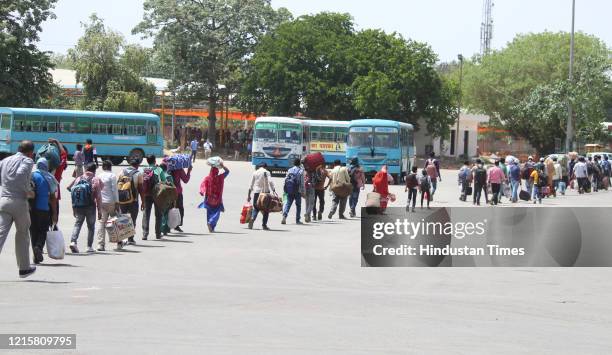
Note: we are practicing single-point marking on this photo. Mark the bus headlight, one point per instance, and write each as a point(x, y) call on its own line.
point(393, 161)
point(258, 155)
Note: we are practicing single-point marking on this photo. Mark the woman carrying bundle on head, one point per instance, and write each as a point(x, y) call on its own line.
point(212, 190)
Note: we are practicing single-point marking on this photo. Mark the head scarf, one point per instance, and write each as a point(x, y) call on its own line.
point(42, 166)
point(212, 187)
point(381, 182)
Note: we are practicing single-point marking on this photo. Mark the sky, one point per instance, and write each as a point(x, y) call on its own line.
point(450, 27)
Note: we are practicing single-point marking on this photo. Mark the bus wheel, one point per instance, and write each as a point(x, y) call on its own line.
point(136, 154)
point(116, 160)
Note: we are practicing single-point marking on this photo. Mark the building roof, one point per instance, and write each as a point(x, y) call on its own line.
point(66, 79)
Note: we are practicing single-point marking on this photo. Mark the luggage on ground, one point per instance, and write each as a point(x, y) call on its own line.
point(174, 218)
point(55, 244)
point(312, 161)
point(524, 195)
point(119, 228)
point(247, 210)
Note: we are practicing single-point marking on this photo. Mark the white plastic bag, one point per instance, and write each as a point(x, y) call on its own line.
point(55, 245)
point(215, 162)
point(174, 218)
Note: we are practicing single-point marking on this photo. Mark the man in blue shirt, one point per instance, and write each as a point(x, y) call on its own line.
point(194, 149)
point(294, 187)
point(43, 211)
point(515, 179)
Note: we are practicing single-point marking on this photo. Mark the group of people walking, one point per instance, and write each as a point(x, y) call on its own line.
point(532, 181)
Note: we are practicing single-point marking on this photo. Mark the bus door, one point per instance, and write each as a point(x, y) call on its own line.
point(152, 131)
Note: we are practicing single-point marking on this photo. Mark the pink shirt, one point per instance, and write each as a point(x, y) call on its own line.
point(179, 176)
point(496, 175)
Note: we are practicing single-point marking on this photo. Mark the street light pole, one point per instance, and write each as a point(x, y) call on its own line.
point(173, 104)
point(460, 57)
point(569, 127)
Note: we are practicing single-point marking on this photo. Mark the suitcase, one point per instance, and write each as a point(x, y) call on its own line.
point(468, 191)
point(524, 195)
point(312, 161)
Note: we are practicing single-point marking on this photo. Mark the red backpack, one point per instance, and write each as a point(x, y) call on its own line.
point(148, 181)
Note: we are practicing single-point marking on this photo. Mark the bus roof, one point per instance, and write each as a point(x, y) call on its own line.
point(379, 123)
point(101, 114)
point(328, 123)
point(279, 119)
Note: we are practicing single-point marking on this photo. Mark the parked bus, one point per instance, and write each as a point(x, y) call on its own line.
point(379, 142)
point(277, 141)
point(329, 138)
point(116, 135)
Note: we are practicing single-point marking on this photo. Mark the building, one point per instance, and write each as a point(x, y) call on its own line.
point(468, 138)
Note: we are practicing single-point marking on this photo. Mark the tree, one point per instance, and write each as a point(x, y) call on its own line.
point(24, 69)
point(207, 40)
point(524, 86)
point(111, 70)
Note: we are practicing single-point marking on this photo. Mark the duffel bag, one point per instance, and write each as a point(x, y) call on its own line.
point(342, 190)
point(269, 203)
point(373, 199)
point(524, 195)
point(50, 152)
point(312, 161)
point(120, 227)
point(164, 195)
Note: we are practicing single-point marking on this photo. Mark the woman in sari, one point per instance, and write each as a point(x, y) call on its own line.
point(212, 190)
point(381, 185)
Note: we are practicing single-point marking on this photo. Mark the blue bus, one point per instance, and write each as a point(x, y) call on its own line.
point(329, 138)
point(116, 135)
point(378, 142)
point(277, 141)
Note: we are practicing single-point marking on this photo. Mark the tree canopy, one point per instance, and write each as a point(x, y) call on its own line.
point(24, 69)
point(320, 66)
point(524, 87)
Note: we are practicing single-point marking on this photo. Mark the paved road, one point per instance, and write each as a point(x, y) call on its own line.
point(299, 289)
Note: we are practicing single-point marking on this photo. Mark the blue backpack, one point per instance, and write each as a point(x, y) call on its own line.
point(292, 183)
point(82, 194)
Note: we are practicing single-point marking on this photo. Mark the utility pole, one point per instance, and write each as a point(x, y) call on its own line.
point(570, 112)
point(460, 57)
point(173, 103)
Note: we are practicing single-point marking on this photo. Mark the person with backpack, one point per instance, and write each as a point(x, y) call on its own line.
point(425, 187)
point(164, 177)
point(294, 188)
point(596, 177)
point(89, 153)
point(43, 210)
point(211, 189)
point(496, 178)
point(514, 176)
point(606, 169)
point(358, 181)
point(150, 177)
point(15, 189)
point(412, 182)
point(322, 179)
point(526, 173)
point(309, 194)
point(85, 191)
point(179, 176)
point(432, 166)
point(464, 179)
point(129, 186)
point(339, 175)
point(480, 182)
point(261, 182)
point(109, 205)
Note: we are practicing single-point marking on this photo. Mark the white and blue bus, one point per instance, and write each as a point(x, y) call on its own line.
point(378, 142)
point(277, 141)
point(116, 135)
point(329, 138)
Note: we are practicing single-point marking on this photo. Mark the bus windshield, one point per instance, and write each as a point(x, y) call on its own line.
point(385, 137)
point(289, 133)
point(265, 132)
point(360, 137)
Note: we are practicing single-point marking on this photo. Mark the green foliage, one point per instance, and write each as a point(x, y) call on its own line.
point(524, 87)
point(111, 70)
point(61, 61)
point(24, 69)
point(205, 42)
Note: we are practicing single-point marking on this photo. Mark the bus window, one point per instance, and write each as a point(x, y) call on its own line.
point(117, 129)
point(5, 122)
point(341, 134)
point(51, 124)
point(265, 132)
point(289, 133)
point(33, 123)
point(19, 123)
point(386, 137)
point(360, 136)
point(83, 125)
point(327, 134)
point(315, 133)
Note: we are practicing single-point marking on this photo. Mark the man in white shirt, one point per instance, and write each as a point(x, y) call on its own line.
point(581, 174)
point(558, 175)
point(110, 202)
point(260, 183)
point(207, 149)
